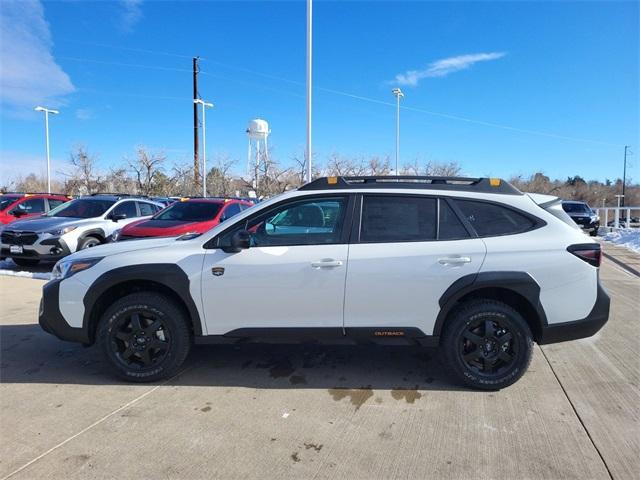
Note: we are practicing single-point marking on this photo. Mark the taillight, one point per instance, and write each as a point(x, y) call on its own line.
point(589, 252)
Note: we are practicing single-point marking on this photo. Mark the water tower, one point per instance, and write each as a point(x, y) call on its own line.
point(257, 131)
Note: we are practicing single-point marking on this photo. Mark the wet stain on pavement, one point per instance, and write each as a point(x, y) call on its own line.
point(294, 457)
point(317, 448)
point(358, 397)
point(410, 396)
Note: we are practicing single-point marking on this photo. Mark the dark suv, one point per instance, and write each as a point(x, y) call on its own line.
point(583, 215)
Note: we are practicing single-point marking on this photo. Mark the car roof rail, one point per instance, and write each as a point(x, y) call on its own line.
point(119, 195)
point(465, 184)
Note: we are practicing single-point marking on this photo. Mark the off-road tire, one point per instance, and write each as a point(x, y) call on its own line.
point(117, 322)
point(471, 360)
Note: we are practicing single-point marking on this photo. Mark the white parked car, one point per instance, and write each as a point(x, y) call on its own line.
point(471, 265)
point(76, 225)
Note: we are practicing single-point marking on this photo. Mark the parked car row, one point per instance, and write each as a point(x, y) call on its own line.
point(56, 227)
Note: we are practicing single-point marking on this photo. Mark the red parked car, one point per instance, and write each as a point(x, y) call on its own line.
point(191, 215)
point(25, 205)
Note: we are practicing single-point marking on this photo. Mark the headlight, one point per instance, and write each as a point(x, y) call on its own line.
point(595, 218)
point(67, 268)
point(62, 231)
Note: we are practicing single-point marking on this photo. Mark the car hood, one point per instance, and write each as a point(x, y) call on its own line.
point(121, 247)
point(43, 224)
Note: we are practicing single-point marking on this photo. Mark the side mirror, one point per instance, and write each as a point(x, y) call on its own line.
point(117, 216)
point(240, 240)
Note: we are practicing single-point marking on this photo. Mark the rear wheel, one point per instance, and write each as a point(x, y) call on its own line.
point(145, 337)
point(488, 344)
point(26, 262)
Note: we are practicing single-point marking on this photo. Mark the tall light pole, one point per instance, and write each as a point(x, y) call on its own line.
point(309, 83)
point(398, 94)
point(624, 171)
point(204, 143)
point(47, 111)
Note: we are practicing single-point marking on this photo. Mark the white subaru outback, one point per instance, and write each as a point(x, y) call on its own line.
point(468, 264)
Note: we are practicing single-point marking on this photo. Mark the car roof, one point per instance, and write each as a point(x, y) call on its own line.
point(575, 201)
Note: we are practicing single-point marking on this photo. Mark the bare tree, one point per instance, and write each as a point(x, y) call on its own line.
point(84, 177)
point(147, 168)
point(219, 179)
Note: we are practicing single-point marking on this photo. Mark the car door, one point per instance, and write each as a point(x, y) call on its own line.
point(30, 207)
point(408, 250)
point(291, 277)
point(128, 208)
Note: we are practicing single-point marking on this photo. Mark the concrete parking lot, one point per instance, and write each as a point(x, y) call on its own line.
point(257, 411)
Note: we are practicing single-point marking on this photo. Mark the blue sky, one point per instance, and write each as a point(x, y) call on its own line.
point(501, 87)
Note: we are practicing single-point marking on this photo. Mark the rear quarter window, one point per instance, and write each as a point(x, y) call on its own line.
point(490, 219)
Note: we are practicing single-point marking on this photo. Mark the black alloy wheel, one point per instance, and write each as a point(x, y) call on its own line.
point(145, 336)
point(488, 344)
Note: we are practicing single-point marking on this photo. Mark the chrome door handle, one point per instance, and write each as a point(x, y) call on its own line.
point(454, 260)
point(326, 263)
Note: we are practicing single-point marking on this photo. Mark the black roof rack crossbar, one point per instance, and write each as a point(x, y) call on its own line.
point(467, 184)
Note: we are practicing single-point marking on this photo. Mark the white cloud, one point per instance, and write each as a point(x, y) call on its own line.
point(29, 75)
point(443, 67)
point(131, 14)
point(84, 114)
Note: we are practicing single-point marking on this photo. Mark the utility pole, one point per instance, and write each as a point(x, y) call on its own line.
point(398, 94)
point(309, 84)
point(196, 160)
point(624, 172)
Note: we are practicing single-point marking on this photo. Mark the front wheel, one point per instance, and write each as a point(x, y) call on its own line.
point(488, 345)
point(88, 242)
point(145, 336)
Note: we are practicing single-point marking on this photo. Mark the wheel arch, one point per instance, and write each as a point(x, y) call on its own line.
point(94, 232)
point(167, 279)
point(517, 289)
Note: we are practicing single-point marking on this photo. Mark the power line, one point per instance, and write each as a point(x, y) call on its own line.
point(348, 95)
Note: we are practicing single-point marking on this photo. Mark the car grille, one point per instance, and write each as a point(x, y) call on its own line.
point(582, 220)
point(19, 238)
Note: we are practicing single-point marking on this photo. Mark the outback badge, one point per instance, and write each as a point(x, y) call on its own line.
point(218, 271)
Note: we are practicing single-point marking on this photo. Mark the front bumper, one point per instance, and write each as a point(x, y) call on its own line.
point(52, 321)
point(588, 326)
point(51, 248)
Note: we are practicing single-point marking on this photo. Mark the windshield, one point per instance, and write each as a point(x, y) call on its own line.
point(190, 211)
point(81, 208)
point(6, 200)
point(576, 208)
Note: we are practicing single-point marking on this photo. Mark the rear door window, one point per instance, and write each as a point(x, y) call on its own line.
point(451, 228)
point(489, 219)
point(390, 218)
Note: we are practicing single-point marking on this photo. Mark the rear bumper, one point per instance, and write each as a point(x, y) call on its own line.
point(588, 326)
point(52, 321)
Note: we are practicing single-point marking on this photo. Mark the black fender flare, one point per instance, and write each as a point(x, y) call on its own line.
point(169, 275)
point(518, 282)
point(92, 233)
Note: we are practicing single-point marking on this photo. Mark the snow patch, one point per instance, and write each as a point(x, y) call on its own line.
point(8, 268)
point(625, 237)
